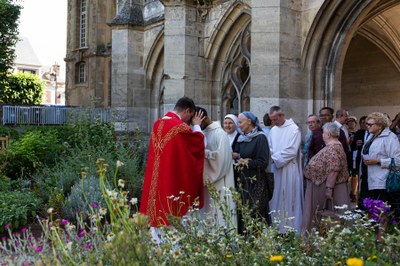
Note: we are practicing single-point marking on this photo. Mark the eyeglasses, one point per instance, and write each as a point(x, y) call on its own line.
point(369, 124)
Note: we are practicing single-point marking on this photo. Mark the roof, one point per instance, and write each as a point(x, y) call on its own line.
point(25, 53)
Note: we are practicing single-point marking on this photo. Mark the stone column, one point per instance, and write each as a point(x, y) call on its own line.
point(275, 57)
point(181, 61)
point(129, 99)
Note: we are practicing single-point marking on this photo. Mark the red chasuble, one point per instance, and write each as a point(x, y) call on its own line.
point(174, 172)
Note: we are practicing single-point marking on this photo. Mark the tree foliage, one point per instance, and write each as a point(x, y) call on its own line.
point(9, 16)
point(21, 88)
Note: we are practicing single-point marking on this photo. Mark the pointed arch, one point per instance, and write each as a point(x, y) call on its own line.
point(228, 54)
point(326, 45)
point(154, 69)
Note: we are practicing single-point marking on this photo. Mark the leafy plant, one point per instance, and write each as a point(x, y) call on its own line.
point(82, 195)
point(16, 208)
point(9, 15)
point(22, 88)
point(30, 153)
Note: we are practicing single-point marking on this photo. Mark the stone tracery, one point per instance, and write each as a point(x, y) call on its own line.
point(236, 75)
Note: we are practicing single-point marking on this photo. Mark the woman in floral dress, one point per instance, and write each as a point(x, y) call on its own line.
point(326, 176)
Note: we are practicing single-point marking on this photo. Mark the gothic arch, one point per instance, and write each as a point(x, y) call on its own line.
point(329, 37)
point(154, 69)
point(228, 54)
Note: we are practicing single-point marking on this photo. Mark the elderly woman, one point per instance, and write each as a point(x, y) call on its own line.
point(377, 152)
point(326, 176)
point(231, 128)
point(251, 153)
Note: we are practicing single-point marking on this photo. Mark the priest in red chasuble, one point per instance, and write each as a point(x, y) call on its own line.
point(173, 180)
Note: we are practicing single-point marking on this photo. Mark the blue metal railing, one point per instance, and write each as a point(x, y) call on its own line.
point(52, 115)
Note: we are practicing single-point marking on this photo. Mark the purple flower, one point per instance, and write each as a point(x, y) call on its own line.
point(23, 230)
point(3, 238)
point(88, 246)
point(94, 205)
point(64, 221)
point(39, 249)
point(376, 208)
point(17, 243)
point(7, 226)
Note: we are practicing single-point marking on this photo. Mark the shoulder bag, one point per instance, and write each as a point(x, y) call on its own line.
point(393, 178)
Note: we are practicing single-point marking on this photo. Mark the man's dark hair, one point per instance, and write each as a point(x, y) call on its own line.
point(329, 109)
point(341, 112)
point(275, 108)
point(267, 121)
point(183, 103)
point(198, 108)
point(363, 118)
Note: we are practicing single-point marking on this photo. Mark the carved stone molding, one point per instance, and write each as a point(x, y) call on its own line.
point(203, 6)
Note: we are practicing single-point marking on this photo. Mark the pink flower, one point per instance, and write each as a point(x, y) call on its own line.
point(23, 230)
point(17, 243)
point(64, 221)
point(88, 246)
point(7, 226)
point(39, 249)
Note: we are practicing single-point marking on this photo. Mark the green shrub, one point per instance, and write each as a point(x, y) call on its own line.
point(67, 171)
point(56, 201)
point(85, 134)
point(78, 201)
point(10, 132)
point(17, 207)
point(22, 88)
point(31, 152)
point(5, 183)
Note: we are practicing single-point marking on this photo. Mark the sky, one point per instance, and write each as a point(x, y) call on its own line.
point(44, 23)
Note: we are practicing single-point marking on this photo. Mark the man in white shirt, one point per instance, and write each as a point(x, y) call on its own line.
point(341, 118)
point(284, 142)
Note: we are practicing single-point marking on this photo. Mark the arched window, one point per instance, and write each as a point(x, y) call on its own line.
point(80, 72)
point(236, 75)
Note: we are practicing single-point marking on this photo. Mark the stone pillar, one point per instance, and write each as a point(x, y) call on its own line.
point(276, 75)
point(181, 61)
point(128, 95)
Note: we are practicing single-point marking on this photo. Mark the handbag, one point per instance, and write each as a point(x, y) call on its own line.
point(393, 178)
point(326, 218)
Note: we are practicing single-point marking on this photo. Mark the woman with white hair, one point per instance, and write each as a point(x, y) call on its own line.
point(326, 176)
point(377, 154)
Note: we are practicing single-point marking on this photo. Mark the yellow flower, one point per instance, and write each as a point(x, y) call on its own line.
point(229, 255)
point(354, 262)
point(276, 258)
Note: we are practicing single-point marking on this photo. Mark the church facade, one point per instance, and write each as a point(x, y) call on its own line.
point(139, 56)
